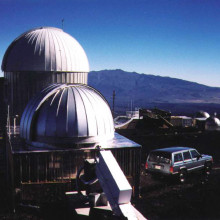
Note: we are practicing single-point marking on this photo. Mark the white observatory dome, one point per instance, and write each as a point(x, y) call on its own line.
point(45, 49)
point(67, 114)
point(212, 123)
point(202, 114)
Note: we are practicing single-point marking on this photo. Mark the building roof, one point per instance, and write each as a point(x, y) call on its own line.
point(45, 49)
point(64, 114)
point(180, 117)
point(19, 146)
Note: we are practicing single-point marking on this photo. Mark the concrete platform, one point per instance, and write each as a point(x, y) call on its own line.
point(85, 211)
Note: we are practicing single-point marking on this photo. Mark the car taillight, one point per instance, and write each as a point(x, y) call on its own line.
point(146, 165)
point(212, 159)
point(171, 169)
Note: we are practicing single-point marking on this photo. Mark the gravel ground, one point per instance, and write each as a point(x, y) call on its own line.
point(164, 198)
point(168, 199)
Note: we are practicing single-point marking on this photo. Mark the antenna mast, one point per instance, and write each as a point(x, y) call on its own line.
point(113, 104)
point(8, 120)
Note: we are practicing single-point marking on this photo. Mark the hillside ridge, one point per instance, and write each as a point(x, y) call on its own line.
point(142, 89)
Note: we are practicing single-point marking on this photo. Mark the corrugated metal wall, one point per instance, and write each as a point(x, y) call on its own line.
point(48, 167)
point(22, 86)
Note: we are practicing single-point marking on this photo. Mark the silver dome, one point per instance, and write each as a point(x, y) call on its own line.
point(45, 49)
point(212, 123)
point(202, 114)
point(67, 114)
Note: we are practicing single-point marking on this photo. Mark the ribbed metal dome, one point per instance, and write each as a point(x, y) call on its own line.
point(45, 49)
point(212, 123)
point(67, 114)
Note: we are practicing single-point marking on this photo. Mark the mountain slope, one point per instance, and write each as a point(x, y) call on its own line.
point(143, 89)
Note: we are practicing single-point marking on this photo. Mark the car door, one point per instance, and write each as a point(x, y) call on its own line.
point(197, 161)
point(178, 161)
point(187, 160)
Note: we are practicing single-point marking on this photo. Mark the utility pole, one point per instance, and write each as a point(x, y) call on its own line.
point(113, 104)
point(8, 121)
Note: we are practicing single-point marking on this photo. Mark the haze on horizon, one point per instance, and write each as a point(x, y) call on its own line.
point(175, 38)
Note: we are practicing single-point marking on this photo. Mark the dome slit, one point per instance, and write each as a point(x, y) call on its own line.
point(91, 103)
point(80, 113)
point(37, 42)
point(54, 97)
point(70, 57)
point(54, 67)
point(47, 57)
point(42, 43)
point(75, 115)
point(58, 107)
point(59, 54)
point(66, 55)
point(79, 91)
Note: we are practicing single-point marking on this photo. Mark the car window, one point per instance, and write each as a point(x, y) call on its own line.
point(160, 157)
point(194, 154)
point(178, 157)
point(186, 155)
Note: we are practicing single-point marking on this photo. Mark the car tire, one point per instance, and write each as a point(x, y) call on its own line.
point(182, 176)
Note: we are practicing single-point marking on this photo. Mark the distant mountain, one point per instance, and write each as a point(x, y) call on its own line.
point(142, 89)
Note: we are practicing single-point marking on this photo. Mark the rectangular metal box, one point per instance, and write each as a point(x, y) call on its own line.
point(112, 179)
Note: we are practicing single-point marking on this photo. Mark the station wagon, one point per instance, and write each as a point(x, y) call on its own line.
point(177, 161)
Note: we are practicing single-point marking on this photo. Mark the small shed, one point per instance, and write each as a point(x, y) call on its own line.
point(181, 121)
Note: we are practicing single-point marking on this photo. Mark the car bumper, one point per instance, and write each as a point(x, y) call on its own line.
point(159, 172)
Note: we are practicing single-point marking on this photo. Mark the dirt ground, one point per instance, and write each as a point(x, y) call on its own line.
point(165, 198)
point(168, 199)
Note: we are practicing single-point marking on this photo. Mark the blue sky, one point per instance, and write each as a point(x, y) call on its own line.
point(176, 38)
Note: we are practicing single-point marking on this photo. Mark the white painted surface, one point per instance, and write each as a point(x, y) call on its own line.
point(113, 180)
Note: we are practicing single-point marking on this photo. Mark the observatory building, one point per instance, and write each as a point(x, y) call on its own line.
point(62, 119)
point(66, 114)
point(38, 58)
